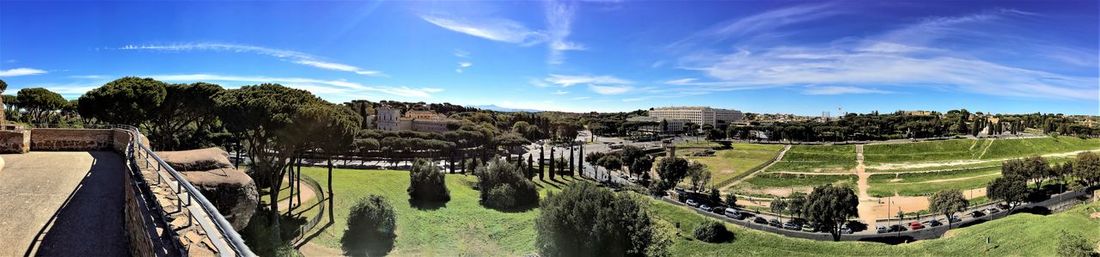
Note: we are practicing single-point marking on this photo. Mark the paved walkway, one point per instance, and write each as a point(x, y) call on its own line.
point(62, 204)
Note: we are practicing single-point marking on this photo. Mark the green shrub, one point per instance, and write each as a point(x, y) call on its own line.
point(371, 226)
point(1072, 245)
point(712, 232)
point(497, 174)
point(427, 184)
point(586, 220)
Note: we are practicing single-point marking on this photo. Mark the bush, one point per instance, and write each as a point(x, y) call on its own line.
point(1071, 245)
point(371, 226)
point(427, 183)
point(503, 195)
point(586, 220)
point(497, 174)
point(264, 241)
point(712, 232)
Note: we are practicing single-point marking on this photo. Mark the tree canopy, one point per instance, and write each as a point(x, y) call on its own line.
point(948, 202)
point(39, 102)
point(831, 206)
point(585, 220)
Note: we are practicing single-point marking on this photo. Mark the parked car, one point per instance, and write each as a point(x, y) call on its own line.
point(882, 229)
point(775, 223)
point(792, 225)
point(718, 210)
point(704, 207)
point(760, 220)
point(992, 210)
point(732, 213)
point(692, 203)
point(977, 214)
point(809, 228)
point(932, 223)
point(844, 229)
point(954, 219)
point(896, 228)
point(916, 225)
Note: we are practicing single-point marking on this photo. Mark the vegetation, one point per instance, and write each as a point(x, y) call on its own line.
point(371, 228)
point(948, 202)
point(504, 186)
point(1072, 245)
point(712, 232)
point(943, 150)
point(830, 207)
point(671, 172)
point(736, 162)
point(786, 180)
point(817, 158)
point(613, 224)
point(39, 102)
point(426, 184)
point(1015, 148)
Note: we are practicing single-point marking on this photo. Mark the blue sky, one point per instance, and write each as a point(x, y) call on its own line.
point(797, 57)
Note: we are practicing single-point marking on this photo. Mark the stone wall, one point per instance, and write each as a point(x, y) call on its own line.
point(50, 139)
point(15, 141)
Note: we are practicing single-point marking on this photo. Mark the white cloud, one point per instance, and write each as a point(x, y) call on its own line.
point(609, 90)
point(570, 80)
point(20, 72)
point(561, 92)
point(461, 53)
point(503, 30)
point(765, 21)
point(903, 57)
point(314, 85)
point(840, 90)
point(559, 18)
point(462, 66)
point(580, 98)
point(292, 56)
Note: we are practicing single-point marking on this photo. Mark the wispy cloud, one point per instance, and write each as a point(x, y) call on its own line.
point(559, 19)
point(503, 30)
point(314, 85)
point(570, 80)
point(610, 90)
point(840, 90)
point(765, 21)
point(561, 92)
point(20, 72)
point(292, 56)
point(907, 57)
point(461, 53)
point(463, 65)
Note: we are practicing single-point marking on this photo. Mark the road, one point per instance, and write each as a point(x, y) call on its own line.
point(62, 204)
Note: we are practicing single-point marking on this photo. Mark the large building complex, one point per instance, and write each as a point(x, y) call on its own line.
point(427, 121)
point(697, 114)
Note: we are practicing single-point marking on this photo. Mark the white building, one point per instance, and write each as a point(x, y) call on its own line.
point(697, 114)
point(387, 118)
point(427, 121)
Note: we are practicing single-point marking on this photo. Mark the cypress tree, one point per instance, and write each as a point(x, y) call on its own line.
point(552, 171)
point(542, 160)
point(572, 168)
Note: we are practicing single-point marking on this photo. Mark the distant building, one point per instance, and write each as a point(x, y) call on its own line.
point(697, 114)
point(674, 125)
point(416, 120)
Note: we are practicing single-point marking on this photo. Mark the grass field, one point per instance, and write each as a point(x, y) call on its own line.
point(958, 149)
point(1018, 235)
point(970, 149)
point(697, 144)
point(924, 184)
point(817, 158)
point(1015, 148)
point(462, 227)
point(735, 162)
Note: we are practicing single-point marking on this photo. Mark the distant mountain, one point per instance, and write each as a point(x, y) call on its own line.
point(492, 107)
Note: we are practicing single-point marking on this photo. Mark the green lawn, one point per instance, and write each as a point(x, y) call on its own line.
point(924, 184)
point(462, 227)
point(817, 158)
point(958, 149)
point(697, 144)
point(1014, 148)
point(970, 149)
point(1018, 235)
point(736, 162)
point(772, 184)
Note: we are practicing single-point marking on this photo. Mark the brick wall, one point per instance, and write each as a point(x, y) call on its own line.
point(15, 141)
point(49, 139)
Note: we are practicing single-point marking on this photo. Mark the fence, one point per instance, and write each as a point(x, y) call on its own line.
point(231, 243)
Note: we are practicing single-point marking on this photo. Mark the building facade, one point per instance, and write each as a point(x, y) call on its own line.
point(697, 114)
point(388, 118)
point(426, 121)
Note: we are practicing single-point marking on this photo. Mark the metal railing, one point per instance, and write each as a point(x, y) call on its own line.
point(232, 245)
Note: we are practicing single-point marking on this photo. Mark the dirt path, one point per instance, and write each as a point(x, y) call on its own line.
point(311, 250)
point(776, 160)
point(307, 195)
point(950, 179)
point(986, 149)
point(867, 205)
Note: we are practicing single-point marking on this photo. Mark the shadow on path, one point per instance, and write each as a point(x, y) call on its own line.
point(90, 222)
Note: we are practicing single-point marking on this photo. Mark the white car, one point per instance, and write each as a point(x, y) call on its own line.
point(692, 203)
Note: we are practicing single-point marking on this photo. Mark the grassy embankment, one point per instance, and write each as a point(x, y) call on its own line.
point(728, 164)
point(817, 158)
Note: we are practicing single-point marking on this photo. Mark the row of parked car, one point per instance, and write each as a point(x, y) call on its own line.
point(918, 225)
point(733, 213)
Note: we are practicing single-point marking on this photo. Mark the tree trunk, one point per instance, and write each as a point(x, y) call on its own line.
point(298, 180)
point(331, 218)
